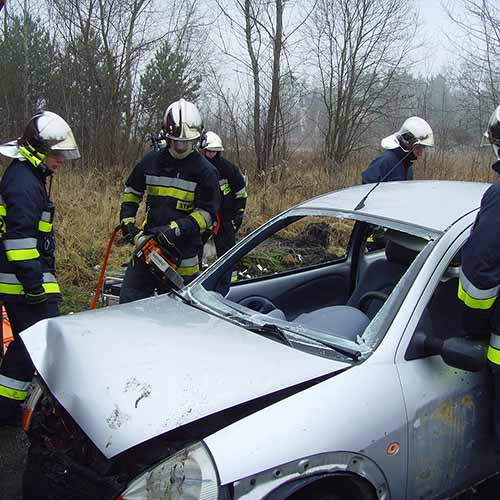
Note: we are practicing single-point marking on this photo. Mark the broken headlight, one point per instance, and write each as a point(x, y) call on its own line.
point(188, 475)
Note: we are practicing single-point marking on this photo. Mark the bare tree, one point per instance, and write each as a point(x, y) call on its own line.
point(358, 45)
point(263, 30)
point(478, 55)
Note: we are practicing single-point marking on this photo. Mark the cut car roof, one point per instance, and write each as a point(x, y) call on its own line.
point(429, 204)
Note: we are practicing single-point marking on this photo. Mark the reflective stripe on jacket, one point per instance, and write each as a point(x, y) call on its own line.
point(182, 191)
point(26, 234)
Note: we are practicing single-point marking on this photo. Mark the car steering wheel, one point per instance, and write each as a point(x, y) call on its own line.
point(258, 303)
point(367, 296)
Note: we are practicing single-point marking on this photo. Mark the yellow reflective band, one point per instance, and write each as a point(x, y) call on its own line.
point(172, 192)
point(17, 289)
point(11, 289)
point(131, 198)
point(13, 393)
point(225, 188)
point(128, 220)
point(44, 227)
point(3, 210)
point(22, 254)
point(472, 302)
point(51, 288)
point(493, 355)
point(200, 220)
point(188, 271)
point(242, 195)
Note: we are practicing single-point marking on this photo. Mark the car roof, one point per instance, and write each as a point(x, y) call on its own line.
point(434, 205)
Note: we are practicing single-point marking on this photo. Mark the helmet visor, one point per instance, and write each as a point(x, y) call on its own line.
point(69, 154)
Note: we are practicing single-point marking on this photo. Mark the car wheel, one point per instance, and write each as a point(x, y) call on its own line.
point(316, 494)
point(258, 303)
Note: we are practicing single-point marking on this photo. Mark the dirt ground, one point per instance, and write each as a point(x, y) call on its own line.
point(14, 446)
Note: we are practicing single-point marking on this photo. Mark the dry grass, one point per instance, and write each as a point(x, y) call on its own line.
point(87, 206)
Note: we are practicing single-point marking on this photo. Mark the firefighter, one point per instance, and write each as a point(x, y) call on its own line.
point(183, 198)
point(401, 150)
point(28, 287)
point(233, 191)
point(479, 282)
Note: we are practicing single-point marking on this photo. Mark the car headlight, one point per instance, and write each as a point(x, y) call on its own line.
point(188, 475)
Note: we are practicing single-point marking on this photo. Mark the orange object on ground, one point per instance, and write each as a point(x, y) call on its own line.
point(6, 331)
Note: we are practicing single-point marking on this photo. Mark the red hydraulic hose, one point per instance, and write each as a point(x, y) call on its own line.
point(104, 265)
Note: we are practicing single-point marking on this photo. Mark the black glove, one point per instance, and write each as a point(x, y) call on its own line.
point(164, 235)
point(35, 295)
point(237, 220)
point(130, 231)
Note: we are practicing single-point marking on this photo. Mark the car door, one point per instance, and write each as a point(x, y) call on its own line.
point(449, 423)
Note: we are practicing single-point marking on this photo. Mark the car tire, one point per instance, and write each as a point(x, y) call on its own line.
point(316, 494)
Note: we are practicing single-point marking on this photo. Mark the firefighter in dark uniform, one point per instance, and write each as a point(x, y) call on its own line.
point(183, 198)
point(401, 150)
point(28, 287)
point(233, 190)
point(479, 282)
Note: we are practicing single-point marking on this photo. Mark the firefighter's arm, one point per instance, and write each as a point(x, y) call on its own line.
point(207, 200)
point(24, 209)
point(239, 191)
point(132, 195)
point(479, 282)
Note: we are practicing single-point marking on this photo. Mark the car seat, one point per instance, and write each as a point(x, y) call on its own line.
point(375, 284)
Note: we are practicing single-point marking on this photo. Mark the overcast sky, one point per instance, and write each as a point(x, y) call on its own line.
point(435, 26)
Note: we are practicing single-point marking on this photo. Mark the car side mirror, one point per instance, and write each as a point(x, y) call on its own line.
point(458, 352)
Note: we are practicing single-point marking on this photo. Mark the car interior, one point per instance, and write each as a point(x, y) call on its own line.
point(338, 297)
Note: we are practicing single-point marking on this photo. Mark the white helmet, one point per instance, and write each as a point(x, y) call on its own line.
point(46, 132)
point(182, 121)
point(492, 133)
point(415, 130)
point(212, 142)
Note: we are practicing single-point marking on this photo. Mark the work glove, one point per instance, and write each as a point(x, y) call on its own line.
point(164, 235)
point(130, 231)
point(35, 295)
point(237, 220)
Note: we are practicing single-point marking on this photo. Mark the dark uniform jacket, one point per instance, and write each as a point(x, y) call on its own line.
point(232, 186)
point(182, 191)
point(27, 240)
point(479, 282)
point(388, 160)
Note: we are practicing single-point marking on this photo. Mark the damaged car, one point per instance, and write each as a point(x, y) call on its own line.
point(321, 358)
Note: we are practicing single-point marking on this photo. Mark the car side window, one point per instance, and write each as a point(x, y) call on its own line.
point(307, 242)
point(442, 318)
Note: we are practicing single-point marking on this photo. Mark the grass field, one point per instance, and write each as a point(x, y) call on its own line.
point(87, 203)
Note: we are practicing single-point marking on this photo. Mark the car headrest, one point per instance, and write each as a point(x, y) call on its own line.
point(402, 248)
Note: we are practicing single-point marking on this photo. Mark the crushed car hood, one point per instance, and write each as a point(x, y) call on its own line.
point(132, 372)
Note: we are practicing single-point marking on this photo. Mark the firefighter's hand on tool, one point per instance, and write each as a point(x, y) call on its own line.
point(166, 238)
point(130, 231)
point(35, 295)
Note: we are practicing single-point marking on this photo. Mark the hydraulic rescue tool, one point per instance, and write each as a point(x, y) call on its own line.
point(161, 260)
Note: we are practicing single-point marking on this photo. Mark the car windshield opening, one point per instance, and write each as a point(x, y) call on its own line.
point(327, 281)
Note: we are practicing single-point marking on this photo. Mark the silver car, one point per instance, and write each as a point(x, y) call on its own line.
point(320, 358)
